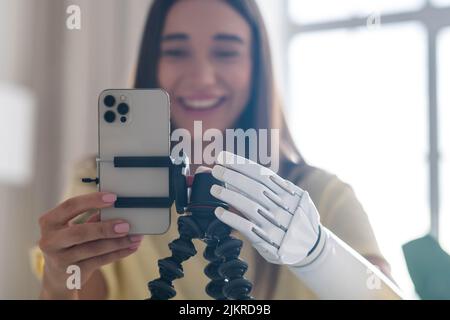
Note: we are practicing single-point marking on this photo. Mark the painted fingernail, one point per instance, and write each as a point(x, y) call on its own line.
point(109, 198)
point(218, 172)
point(137, 238)
point(216, 190)
point(122, 228)
point(134, 246)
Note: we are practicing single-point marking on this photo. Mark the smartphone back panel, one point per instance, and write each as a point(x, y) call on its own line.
point(141, 130)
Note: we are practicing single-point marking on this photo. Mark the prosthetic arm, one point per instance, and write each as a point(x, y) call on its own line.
point(283, 225)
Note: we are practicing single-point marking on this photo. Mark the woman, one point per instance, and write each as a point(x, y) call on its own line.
point(213, 59)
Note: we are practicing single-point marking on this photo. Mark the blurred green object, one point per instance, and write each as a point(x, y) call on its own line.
point(429, 268)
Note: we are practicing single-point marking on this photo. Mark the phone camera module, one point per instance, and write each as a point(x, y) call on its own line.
point(123, 108)
point(109, 116)
point(109, 101)
point(123, 119)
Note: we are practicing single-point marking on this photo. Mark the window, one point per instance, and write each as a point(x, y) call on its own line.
point(361, 96)
point(355, 104)
point(16, 135)
point(441, 3)
point(306, 11)
point(444, 111)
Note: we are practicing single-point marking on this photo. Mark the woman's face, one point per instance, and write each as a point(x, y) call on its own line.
point(205, 63)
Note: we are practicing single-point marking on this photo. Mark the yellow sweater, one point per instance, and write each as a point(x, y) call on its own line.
point(339, 210)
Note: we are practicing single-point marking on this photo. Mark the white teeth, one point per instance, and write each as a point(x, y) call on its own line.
point(201, 104)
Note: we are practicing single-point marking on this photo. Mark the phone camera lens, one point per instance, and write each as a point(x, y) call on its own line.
point(109, 116)
point(109, 101)
point(123, 108)
point(123, 119)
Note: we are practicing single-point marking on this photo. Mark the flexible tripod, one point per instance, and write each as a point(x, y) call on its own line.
point(198, 221)
point(225, 269)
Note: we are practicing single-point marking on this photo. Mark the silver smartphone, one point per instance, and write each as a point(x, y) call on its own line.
point(134, 123)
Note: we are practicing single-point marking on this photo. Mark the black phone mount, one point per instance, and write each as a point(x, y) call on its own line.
point(198, 221)
point(178, 170)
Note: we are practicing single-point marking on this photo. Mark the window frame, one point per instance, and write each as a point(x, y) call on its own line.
point(433, 18)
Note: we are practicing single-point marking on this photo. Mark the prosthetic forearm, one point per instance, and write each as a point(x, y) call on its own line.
point(336, 271)
point(283, 225)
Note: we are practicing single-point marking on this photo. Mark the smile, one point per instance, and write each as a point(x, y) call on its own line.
point(201, 104)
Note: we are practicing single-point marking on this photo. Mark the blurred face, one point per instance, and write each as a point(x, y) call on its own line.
point(205, 63)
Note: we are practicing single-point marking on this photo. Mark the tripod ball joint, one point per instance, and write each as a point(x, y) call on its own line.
point(198, 221)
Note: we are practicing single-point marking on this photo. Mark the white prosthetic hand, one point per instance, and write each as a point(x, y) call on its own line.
point(283, 225)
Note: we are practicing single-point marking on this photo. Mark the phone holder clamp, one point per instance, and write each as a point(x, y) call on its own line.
point(178, 171)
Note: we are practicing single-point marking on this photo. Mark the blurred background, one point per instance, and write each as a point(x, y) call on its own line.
point(365, 86)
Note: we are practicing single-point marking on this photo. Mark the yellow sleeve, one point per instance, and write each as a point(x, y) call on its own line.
point(37, 262)
point(109, 272)
point(340, 210)
point(346, 217)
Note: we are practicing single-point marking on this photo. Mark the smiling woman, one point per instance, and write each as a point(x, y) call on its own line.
point(213, 59)
point(206, 70)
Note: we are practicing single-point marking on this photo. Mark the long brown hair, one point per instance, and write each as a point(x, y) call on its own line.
point(263, 110)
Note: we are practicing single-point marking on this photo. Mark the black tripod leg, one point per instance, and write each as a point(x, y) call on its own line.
point(214, 288)
point(233, 269)
point(171, 268)
point(226, 270)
